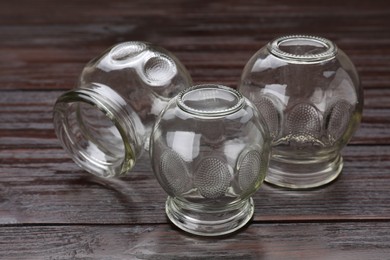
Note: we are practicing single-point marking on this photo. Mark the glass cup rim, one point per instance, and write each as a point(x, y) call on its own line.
point(111, 110)
point(329, 53)
point(211, 113)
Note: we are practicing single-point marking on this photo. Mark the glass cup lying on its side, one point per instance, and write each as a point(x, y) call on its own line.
point(105, 122)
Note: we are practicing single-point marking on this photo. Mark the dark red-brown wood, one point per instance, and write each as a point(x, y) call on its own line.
point(51, 209)
point(269, 241)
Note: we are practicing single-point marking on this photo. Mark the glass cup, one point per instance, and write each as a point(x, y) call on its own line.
point(209, 152)
point(309, 93)
point(106, 121)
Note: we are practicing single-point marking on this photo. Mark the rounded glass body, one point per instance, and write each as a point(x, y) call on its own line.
point(210, 152)
point(106, 121)
point(309, 93)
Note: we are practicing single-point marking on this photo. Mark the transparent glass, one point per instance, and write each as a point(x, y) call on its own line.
point(309, 93)
point(106, 121)
point(210, 151)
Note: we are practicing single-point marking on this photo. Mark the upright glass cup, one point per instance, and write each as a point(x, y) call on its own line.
point(210, 151)
point(309, 93)
point(106, 121)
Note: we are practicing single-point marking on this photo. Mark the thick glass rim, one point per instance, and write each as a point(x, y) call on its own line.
point(211, 113)
point(94, 166)
point(329, 52)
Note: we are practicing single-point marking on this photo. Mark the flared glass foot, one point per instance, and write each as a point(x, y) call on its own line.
point(295, 174)
point(207, 221)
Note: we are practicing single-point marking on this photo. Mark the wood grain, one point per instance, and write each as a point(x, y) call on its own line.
point(50, 188)
point(26, 119)
point(297, 241)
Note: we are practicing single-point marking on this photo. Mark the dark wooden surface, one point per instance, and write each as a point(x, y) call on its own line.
point(51, 209)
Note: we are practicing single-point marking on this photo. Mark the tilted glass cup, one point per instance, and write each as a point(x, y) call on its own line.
point(106, 121)
point(210, 150)
point(309, 93)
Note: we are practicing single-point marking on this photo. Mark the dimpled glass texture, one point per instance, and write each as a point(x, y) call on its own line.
point(106, 121)
point(309, 93)
point(210, 151)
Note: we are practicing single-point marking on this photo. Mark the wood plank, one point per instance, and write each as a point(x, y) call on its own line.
point(44, 186)
point(26, 119)
point(323, 241)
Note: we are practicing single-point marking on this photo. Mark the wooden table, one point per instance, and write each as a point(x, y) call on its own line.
point(51, 209)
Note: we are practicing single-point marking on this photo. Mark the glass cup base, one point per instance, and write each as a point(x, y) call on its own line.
point(200, 221)
point(293, 174)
